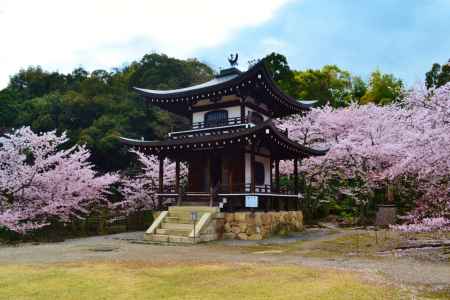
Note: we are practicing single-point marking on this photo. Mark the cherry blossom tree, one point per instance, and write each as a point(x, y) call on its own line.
point(41, 183)
point(379, 146)
point(139, 192)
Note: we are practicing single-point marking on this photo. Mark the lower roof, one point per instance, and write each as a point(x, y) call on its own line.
point(265, 134)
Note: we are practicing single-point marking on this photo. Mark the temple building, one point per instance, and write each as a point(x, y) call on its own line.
point(232, 149)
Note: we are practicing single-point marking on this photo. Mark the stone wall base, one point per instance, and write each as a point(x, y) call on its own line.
point(258, 225)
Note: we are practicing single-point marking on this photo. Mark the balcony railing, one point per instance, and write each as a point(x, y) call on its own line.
point(211, 127)
point(217, 123)
point(247, 188)
point(233, 189)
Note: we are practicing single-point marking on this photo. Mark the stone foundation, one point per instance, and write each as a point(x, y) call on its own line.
point(258, 225)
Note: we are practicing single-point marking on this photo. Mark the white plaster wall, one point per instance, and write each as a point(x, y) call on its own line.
point(248, 109)
point(233, 112)
point(262, 159)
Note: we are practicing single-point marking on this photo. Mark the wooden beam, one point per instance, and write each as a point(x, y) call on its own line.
point(271, 172)
point(259, 153)
point(216, 105)
point(277, 175)
point(243, 111)
point(258, 108)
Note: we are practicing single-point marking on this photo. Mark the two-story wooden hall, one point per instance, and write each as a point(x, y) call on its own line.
point(232, 149)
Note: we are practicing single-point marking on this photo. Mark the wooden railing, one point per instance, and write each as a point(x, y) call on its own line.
point(247, 188)
point(169, 189)
point(218, 123)
point(230, 189)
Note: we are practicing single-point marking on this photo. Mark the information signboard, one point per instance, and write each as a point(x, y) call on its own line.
point(251, 201)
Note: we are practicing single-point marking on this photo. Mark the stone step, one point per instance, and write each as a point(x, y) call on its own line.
point(189, 209)
point(178, 232)
point(177, 226)
point(180, 219)
point(176, 229)
point(162, 231)
point(162, 239)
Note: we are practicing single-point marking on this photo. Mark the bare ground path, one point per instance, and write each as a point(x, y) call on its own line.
point(126, 247)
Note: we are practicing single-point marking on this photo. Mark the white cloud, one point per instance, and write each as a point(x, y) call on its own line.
point(62, 34)
point(271, 44)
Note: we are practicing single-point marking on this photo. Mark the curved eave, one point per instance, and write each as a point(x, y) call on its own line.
point(215, 82)
point(192, 93)
point(280, 96)
point(305, 149)
point(178, 100)
point(218, 140)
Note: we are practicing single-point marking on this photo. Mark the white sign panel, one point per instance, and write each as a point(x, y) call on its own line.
point(251, 201)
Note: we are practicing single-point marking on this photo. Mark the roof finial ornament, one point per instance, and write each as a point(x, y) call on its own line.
point(233, 60)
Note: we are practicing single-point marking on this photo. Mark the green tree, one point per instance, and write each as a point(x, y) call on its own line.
point(359, 88)
point(438, 75)
point(329, 85)
point(96, 108)
point(8, 109)
point(281, 73)
point(161, 72)
point(383, 89)
point(35, 82)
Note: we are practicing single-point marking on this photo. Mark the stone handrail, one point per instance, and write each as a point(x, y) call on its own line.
point(201, 224)
point(156, 224)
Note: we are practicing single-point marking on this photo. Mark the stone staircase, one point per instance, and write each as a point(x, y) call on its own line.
point(175, 226)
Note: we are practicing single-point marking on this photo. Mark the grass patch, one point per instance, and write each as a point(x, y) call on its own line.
point(141, 281)
point(443, 294)
point(366, 244)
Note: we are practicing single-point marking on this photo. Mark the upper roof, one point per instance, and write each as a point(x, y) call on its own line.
point(282, 147)
point(255, 82)
point(213, 82)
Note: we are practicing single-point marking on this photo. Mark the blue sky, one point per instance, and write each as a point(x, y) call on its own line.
point(403, 37)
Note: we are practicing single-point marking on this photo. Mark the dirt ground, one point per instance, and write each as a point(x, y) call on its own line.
point(404, 271)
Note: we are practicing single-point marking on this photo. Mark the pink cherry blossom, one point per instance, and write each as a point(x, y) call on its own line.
point(139, 191)
point(381, 145)
point(39, 183)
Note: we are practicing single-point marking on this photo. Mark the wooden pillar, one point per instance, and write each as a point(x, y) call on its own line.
point(177, 180)
point(242, 111)
point(277, 183)
point(277, 175)
point(252, 170)
point(271, 175)
point(211, 188)
point(270, 200)
point(161, 174)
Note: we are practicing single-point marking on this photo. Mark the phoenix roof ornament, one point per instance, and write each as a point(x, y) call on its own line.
point(233, 60)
